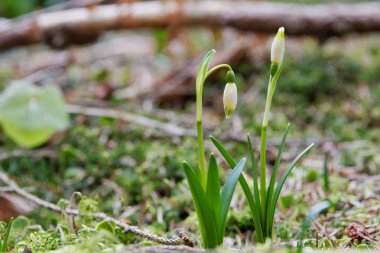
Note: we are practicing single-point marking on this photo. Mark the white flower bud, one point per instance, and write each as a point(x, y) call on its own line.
point(229, 99)
point(278, 46)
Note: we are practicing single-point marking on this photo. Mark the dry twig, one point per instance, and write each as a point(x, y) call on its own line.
point(168, 128)
point(24, 152)
point(171, 129)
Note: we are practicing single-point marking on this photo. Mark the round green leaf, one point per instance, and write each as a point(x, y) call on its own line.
point(106, 225)
point(30, 115)
point(20, 222)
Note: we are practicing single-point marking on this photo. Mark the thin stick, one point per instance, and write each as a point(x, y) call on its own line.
point(23, 152)
point(172, 129)
point(101, 216)
point(130, 117)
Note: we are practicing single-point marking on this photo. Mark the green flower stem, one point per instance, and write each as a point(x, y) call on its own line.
point(268, 102)
point(263, 167)
point(263, 145)
point(202, 159)
point(218, 67)
point(263, 142)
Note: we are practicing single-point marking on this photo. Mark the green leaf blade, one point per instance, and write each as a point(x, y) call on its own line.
point(3, 247)
point(273, 179)
point(281, 182)
point(213, 191)
point(228, 190)
point(202, 208)
point(311, 215)
point(223, 151)
point(202, 71)
point(247, 191)
point(256, 192)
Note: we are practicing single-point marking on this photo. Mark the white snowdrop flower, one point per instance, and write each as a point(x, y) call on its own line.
point(278, 47)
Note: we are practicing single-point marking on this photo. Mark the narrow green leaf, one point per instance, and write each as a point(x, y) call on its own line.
point(6, 237)
point(202, 208)
point(255, 213)
point(223, 151)
point(273, 178)
point(281, 182)
point(198, 174)
point(256, 192)
point(196, 194)
point(213, 192)
point(202, 71)
point(228, 190)
point(326, 183)
point(246, 190)
point(311, 215)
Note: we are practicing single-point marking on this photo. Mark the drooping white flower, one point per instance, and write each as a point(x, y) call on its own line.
point(230, 99)
point(278, 47)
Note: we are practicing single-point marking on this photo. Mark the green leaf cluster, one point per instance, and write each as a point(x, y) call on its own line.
point(212, 205)
point(263, 221)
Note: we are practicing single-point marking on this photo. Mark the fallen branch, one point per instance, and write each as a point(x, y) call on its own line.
point(168, 128)
point(24, 152)
point(100, 216)
point(5, 189)
point(80, 25)
point(68, 4)
point(162, 249)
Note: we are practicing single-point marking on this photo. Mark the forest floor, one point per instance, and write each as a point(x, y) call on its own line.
point(123, 150)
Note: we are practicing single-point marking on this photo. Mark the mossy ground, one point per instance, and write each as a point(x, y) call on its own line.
point(329, 92)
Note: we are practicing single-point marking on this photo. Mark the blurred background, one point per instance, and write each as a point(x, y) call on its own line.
point(126, 70)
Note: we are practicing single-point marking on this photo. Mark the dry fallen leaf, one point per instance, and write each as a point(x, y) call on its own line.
point(13, 206)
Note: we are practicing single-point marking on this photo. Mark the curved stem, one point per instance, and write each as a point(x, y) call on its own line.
point(218, 67)
point(202, 159)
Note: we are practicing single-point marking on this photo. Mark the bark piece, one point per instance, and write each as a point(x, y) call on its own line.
point(79, 25)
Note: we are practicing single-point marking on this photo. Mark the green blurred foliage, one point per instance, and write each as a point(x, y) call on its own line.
point(14, 8)
point(30, 115)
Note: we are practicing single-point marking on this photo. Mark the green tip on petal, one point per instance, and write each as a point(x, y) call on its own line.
point(228, 112)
